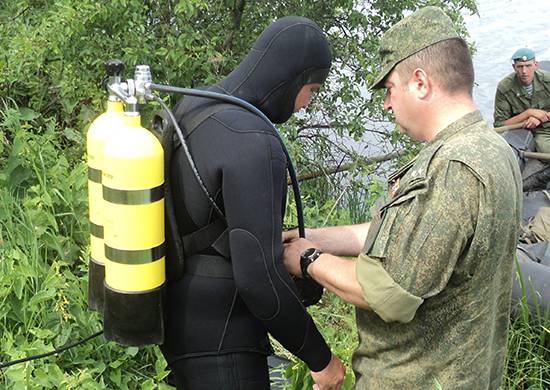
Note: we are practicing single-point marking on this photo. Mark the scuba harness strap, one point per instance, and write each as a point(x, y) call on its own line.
point(214, 235)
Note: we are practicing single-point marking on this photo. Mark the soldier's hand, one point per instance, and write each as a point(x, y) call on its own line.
point(331, 377)
point(541, 115)
point(531, 123)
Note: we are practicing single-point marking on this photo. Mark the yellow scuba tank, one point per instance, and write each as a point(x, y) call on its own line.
point(100, 129)
point(133, 193)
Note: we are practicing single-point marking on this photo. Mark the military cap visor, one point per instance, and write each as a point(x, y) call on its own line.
point(423, 28)
point(523, 54)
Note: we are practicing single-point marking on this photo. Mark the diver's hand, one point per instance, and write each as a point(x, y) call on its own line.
point(290, 235)
point(331, 377)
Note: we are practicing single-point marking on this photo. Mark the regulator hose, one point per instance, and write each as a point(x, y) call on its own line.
point(188, 155)
point(244, 104)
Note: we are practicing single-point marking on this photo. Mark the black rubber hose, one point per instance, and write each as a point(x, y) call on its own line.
point(188, 155)
point(54, 352)
point(244, 104)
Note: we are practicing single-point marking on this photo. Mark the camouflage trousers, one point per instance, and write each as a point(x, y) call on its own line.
point(542, 140)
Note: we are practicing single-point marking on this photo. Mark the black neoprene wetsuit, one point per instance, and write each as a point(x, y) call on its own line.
point(226, 305)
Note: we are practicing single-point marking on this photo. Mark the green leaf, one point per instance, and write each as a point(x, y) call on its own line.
point(73, 135)
point(115, 376)
point(116, 364)
point(40, 377)
point(41, 297)
point(18, 286)
point(16, 374)
point(18, 175)
point(27, 114)
point(44, 334)
point(149, 384)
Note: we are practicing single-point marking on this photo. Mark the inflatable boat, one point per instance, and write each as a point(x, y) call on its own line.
point(532, 276)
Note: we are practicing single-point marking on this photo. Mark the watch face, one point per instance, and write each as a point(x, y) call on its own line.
point(308, 252)
point(306, 258)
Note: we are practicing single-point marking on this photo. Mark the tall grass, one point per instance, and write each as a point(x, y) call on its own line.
point(528, 358)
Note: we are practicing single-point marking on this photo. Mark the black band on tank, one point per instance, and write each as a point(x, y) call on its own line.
point(96, 230)
point(94, 175)
point(137, 256)
point(133, 197)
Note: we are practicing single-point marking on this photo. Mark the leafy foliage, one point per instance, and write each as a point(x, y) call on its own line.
point(44, 238)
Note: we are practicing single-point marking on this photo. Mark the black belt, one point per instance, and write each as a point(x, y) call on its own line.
point(208, 266)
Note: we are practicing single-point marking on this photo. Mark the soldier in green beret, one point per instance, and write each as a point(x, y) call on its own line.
point(524, 97)
point(432, 276)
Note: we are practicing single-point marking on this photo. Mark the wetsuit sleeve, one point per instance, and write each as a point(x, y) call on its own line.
point(253, 185)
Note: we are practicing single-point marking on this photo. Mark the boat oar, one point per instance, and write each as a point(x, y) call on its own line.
point(502, 129)
point(521, 153)
point(537, 155)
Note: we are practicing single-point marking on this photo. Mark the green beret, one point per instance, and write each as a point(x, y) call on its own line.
point(523, 54)
point(417, 31)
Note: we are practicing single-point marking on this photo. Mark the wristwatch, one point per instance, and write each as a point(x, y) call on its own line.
point(306, 258)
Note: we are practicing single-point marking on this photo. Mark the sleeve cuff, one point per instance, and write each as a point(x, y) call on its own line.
point(383, 295)
point(315, 352)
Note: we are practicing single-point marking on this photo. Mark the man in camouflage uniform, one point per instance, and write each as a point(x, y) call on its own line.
point(524, 97)
point(433, 274)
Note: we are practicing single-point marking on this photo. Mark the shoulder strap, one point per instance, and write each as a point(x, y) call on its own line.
point(214, 234)
point(196, 120)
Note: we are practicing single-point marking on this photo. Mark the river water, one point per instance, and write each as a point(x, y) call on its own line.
point(498, 30)
point(502, 27)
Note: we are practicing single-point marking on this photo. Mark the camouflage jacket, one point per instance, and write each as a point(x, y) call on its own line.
point(436, 269)
point(511, 99)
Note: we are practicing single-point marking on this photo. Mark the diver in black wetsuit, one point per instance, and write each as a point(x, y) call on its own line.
point(235, 288)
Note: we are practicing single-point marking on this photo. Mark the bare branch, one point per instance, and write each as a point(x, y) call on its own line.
point(347, 167)
point(237, 13)
point(313, 126)
point(21, 12)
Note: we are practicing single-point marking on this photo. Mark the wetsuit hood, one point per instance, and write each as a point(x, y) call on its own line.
point(290, 53)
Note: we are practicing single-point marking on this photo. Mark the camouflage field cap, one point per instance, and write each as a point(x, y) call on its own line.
point(417, 31)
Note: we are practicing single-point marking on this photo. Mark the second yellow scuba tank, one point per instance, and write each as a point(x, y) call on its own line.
point(101, 128)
